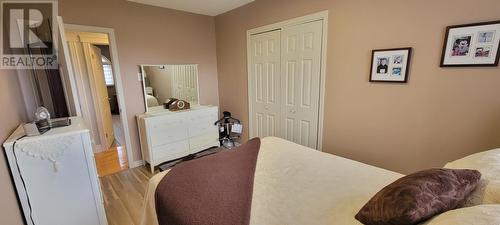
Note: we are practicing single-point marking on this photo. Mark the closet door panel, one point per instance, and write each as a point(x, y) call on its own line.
point(265, 84)
point(301, 58)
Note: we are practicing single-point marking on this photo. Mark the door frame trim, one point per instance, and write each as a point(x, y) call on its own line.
point(323, 15)
point(118, 81)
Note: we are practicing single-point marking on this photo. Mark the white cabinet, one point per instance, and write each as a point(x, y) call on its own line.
point(167, 135)
point(55, 176)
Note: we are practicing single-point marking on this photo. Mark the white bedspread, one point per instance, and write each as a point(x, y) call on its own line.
point(151, 101)
point(296, 185)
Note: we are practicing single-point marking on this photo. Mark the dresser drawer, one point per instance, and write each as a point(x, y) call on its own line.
point(171, 151)
point(167, 136)
point(202, 128)
point(167, 131)
point(203, 116)
point(203, 140)
point(202, 122)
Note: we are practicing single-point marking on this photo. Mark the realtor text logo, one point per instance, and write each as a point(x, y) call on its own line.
point(28, 35)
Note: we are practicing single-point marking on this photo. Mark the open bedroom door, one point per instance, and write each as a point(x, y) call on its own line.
point(99, 93)
point(81, 66)
point(85, 54)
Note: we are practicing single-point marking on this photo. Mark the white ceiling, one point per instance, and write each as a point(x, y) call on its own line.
point(204, 7)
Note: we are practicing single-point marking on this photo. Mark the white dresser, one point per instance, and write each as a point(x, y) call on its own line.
point(167, 135)
point(55, 176)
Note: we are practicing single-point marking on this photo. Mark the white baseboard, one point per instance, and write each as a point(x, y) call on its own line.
point(136, 164)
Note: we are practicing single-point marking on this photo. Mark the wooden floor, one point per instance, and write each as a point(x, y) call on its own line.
point(123, 188)
point(124, 195)
point(111, 161)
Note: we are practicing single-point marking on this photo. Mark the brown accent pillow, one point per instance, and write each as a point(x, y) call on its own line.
point(419, 196)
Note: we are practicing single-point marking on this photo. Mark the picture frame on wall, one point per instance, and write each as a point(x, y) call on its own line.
point(390, 65)
point(472, 45)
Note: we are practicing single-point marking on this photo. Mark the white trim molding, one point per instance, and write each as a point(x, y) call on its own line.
point(137, 163)
point(319, 16)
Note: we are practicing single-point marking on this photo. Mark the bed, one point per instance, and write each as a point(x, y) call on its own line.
point(151, 101)
point(294, 184)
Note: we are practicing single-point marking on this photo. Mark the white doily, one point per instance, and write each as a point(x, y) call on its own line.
point(50, 150)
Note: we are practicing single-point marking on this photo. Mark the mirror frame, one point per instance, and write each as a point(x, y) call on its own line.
point(161, 107)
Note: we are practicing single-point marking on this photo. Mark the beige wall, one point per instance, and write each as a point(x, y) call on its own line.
point(440, 115)
point(12, 115)
point(151, 35)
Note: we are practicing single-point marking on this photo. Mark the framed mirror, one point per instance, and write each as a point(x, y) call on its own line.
point(163, 82)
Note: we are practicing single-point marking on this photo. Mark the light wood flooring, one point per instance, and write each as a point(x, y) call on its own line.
point(123, 188)
point(124, 195)
point(111, 161)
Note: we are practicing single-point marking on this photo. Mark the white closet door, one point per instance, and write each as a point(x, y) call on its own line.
point(185, 82)
point(264, 93)
point(300, 84)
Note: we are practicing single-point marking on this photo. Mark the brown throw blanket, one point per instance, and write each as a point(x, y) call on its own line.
point(214, 190)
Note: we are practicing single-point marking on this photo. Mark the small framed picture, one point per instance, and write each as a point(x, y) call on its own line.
point(475, 44)
point(390, 65)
